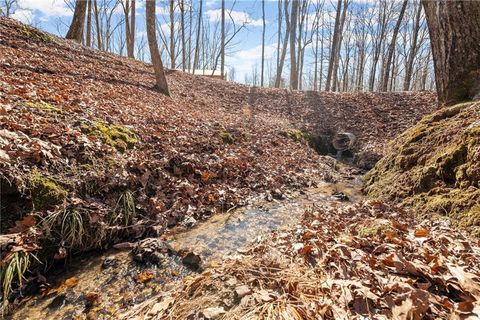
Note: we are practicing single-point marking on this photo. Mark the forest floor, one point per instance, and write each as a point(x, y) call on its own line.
point(91, 156)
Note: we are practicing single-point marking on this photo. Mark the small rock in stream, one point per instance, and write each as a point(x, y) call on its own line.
point(192, 260)
point(57, 302)
point(277, 194)
point(124, 246)
point(242, 291)
point(109, 262)
point(151, 250)
point(190, 222)
point(340, 196)
point(213, 313)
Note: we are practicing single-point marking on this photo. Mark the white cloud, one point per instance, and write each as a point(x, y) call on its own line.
point(245, 60)
point(162, 10)
point(211, 3)
point(56, 8)
point(22, 15)
point(238, 17)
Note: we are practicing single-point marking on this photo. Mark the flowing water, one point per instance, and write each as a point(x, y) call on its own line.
point(104, 285)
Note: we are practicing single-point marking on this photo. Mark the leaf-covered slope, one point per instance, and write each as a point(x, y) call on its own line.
point(435, 167)
point(90, 154)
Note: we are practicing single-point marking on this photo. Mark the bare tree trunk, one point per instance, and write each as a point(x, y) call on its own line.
point(279, 33)
point(378, 42)
point(454, 28)
point(263, 43)
point(128, 26)
point(315, 61)
point(278, 76)
point(190, 36)
point(182, 30)
point(293, 38)
point(172, 34)
point(339, 44)
point(413, 50)
point(89, 23)
point(131, 42)
point(222, 62)
point(97, 25)
point(162, 85)
point(75, 32)
point(197, 44)
point(391, 49)
point(333, 45)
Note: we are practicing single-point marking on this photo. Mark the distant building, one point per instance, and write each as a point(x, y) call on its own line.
point(207, 73)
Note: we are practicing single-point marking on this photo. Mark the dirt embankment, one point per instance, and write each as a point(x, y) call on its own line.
point(90, 154)
point(435, 167)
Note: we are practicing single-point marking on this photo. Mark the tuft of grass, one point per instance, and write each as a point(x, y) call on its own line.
point(66, 225)
point(124, 211)
point(14, 271)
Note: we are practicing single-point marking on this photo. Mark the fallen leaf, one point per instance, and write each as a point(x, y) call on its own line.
point(421, 233)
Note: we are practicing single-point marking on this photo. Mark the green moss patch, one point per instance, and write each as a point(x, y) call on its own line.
point(226, 136)
point(34, 34)
point(40, 105)
point(435, 167)
point(116, 136)
point(317, 142)
point(45, 192)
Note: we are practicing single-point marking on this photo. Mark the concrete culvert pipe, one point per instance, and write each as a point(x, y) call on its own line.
point(343, 141)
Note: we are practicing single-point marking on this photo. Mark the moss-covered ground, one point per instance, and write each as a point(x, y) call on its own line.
point(435, 167)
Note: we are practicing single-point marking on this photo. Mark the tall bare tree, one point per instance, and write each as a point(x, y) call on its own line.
point(333, 46)
point(413, 49)
point(222, 62)
point(172, 34)
point(75, 32)
point(97, 25)
point(293, 39)
point(131, 41)
point(161, 81)
point(278, 73)
point(89, 24)
point(197, 43)
point(454, 28)
point(391, 48)
point(263, 43)
point(182, 34)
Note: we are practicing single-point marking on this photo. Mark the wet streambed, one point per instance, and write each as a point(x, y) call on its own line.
point(105, 285)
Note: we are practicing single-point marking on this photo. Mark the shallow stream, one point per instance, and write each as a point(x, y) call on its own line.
point(105, 285)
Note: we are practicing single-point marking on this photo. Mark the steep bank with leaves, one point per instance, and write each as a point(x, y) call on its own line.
point(435, 167)
point(91, 155)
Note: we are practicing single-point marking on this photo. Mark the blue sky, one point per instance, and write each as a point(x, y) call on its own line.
point(55, 15)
